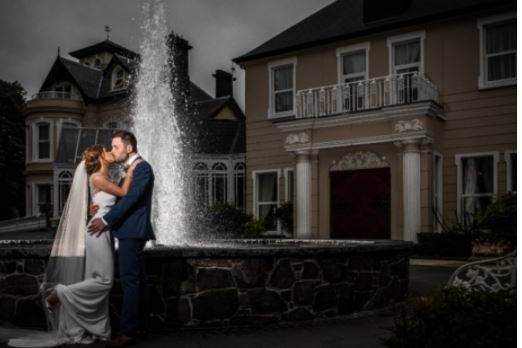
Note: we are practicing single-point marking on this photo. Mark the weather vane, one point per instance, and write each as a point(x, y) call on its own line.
point(107, 30)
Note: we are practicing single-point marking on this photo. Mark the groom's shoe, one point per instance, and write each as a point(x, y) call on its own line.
point(121, 341)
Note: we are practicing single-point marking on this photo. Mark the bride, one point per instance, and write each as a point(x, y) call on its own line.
point(80, 272)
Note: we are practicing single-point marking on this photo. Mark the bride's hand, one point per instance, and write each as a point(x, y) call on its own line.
point(133, 166)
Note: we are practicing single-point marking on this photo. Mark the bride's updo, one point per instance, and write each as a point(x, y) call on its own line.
point(92, 157)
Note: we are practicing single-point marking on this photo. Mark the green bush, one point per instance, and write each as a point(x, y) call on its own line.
point(499, 221)
point(454, 317)
point(226, 221)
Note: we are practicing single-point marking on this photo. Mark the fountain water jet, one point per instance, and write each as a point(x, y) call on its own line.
point(155, 122)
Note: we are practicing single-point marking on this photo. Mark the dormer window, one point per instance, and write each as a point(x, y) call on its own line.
point(118, 78)
point(97, 62)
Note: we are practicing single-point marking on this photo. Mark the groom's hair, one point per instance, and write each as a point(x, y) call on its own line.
point(128, 138)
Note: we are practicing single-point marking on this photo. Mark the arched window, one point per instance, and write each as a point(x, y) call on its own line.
point(64, 186)
point(118, 78)
point(219, 183)
point(201, 183)
point(239, 183)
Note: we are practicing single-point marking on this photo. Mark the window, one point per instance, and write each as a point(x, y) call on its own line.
point(219, 183)
point(202, 187)
point(64, 185)
point(511, 171)
point(282, 88)
point(97, 62)
point(498, 51)
point(64, 90)
point(353, 63)
point(477, 183)
point(266, 198)
point(406, 53)
point(289, 185)
point(44, 199)
point(437, 192)
point(239, 182)
point(118, 78)
point(43, 141)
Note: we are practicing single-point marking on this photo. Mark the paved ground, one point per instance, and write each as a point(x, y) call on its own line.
point(365, 332)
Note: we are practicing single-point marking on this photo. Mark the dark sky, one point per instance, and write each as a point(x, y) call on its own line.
point(219, 30)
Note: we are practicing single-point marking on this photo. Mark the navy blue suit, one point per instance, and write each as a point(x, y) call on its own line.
point(129, 221)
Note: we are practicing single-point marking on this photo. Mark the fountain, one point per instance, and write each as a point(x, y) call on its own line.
point(218, 282)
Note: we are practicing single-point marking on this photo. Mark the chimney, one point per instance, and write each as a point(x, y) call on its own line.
point(179, 48)
point(223, 83)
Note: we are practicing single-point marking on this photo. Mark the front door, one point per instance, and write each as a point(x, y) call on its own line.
point(360, 203)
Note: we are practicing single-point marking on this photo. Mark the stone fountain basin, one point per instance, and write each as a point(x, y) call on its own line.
point(233, 282)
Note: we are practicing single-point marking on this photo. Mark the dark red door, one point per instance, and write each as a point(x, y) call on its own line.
point(360, 203)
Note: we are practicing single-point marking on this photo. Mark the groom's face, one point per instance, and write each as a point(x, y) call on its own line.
point(120, 150)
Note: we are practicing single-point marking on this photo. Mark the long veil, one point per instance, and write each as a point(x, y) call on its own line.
point(66, 261)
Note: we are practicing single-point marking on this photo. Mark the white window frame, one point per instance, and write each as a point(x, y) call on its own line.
point(439, 201)
point(287, 186)
point(255, 204)
point(483, 82)
point(57, 185)
point(35, 199)
point(342, 51)
point(114, 74)
point(204, 173)
point(36, 140)
point(509, 178)
point(219, 174)
point(271, 93)
point(393, 40)
point(458, 162)
point(236, 174)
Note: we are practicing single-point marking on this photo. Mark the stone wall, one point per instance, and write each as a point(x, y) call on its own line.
point(230, 288)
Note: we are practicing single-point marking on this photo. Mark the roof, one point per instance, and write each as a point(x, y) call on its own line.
point(86, 78)
point(344, 19)
point(103, 46)
point(207, 109)
point(220, 137)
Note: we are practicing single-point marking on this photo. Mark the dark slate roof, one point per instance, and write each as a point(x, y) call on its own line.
point(87, 79)
point(197, 93)
point(104, 46)
point(344, 19)
point(209, 108)
point(220, 137)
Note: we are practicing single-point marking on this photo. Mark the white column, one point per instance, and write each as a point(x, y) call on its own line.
point(411, 189)
point(303, 202)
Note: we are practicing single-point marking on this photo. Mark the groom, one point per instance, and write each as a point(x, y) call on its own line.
point(129, 221)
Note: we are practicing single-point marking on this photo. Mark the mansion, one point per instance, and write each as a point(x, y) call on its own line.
point(383, 119)
point(82, 101)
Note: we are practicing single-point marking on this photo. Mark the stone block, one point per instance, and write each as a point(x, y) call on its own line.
point(213, 278)
point(264, 301)
point(282, 277)
point(215, 304)
point(325, 298)
point(19, 284)
point(30, 313)
point(304, 291)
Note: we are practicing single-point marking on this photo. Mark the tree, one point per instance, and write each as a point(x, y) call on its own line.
point(12, 149)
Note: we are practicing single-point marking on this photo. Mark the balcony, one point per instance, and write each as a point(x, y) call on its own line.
point(365, 95)
point(53, 101)
point(56, 95)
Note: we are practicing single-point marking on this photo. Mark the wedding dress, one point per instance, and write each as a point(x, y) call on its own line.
point(83, 313)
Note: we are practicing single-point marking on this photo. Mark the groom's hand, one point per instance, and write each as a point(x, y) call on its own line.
point(96, 227)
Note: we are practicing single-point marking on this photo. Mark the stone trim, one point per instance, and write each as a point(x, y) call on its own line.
point(359, 160)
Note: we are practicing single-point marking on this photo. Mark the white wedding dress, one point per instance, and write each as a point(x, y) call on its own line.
point(83, 312)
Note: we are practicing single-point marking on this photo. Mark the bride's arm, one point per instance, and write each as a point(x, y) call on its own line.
point(103, 184)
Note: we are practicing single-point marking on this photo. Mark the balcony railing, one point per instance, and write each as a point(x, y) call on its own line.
point(56, 95)
point(365, 95)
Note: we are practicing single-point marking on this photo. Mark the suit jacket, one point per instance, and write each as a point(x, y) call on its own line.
point(129, 218)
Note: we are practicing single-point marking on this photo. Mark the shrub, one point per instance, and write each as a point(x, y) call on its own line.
point(285, 214)
point(454, 317)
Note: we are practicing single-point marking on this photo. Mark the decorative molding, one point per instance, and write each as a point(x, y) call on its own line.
point(297, 138)
point(359, 160)
point(428, 108)
point(408, 125)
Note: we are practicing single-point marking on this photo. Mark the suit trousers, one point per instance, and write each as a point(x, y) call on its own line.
point(133, 282)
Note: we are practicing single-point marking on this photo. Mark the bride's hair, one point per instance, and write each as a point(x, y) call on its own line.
point(92, 157)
